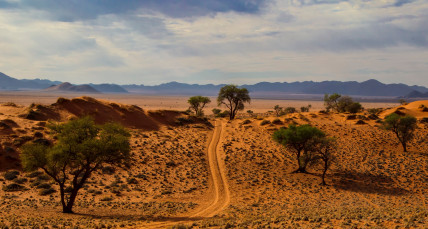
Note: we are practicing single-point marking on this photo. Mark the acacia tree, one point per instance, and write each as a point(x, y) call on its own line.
point(403, 127)
point(326, 149)
point(82, 148)
point(331, 101)
point(300, 139)
point(197, 103)
point(233, 98)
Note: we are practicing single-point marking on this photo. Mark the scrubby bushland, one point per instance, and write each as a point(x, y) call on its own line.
point(82, 148)
point(403, 127)
point(233, 98)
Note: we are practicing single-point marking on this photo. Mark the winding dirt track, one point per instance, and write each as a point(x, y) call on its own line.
point(220, 195)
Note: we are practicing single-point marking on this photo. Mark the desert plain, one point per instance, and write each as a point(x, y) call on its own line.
point(215, 173)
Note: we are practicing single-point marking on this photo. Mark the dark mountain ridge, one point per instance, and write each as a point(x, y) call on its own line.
point(263, 89)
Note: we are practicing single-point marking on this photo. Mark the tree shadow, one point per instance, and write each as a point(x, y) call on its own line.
point(366, 183)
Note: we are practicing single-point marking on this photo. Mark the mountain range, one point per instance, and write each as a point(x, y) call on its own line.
point(263, 89)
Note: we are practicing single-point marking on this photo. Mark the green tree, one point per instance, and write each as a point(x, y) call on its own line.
point(197, 104)
point(330, 101)
point(81, 148)
point(403, 127)
point(278, 110)
point(233, 98)
point(300, 139)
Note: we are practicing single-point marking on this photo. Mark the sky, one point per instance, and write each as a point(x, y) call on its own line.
point(215, 41)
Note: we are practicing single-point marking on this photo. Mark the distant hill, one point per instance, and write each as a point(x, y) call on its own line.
point(109, 88)
point(9, 83)
point(416, 94)
point(262, 90)
point(68, 87)
point(268, 89)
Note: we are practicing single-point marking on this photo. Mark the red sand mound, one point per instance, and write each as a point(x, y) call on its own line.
point(418, 109)
point(102, 111)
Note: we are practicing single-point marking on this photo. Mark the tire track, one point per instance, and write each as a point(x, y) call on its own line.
point(221, 194)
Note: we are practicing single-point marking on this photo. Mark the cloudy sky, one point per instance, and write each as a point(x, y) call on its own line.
point(215, 41)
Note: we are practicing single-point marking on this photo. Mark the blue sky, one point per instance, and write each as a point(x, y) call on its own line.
point(215, 41)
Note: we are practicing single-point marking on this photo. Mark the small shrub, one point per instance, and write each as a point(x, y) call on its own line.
point(20, 180)
point(374, 111)
point(44, 186)
point(9, 104)
point(107, 198)
point(265, 122)
point(43, 177)
point(13, 187)
point(34, 174)
point(108, 170)
point(246, 122)
point(132, 181)
point(47, 191)
point(277, 122)
point(360, 122)
point(11, 175)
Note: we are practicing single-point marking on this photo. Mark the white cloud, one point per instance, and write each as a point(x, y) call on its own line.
point(285, 41)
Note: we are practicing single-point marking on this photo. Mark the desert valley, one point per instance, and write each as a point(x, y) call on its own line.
point(212, 172)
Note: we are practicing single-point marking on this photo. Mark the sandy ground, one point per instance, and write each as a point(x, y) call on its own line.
point(230, 174)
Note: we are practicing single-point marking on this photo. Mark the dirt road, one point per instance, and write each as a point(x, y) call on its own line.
point(219, 190)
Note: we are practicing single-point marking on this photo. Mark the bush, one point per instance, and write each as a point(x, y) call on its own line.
point(108, 170)
point(181, 121)
point(222, 114)
point(216, 111)
point(277, 122)
point(265, 122)
point(354, 108)
point(34, 174)
point(13, 187)
point(107, 198)
point(47, 191)
point(11, 175)
point(246, 122)
point(360, 122)
point(44, 186)
point(290, 110)
point(374, 111)
point(20, 180)
point(9, 104)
